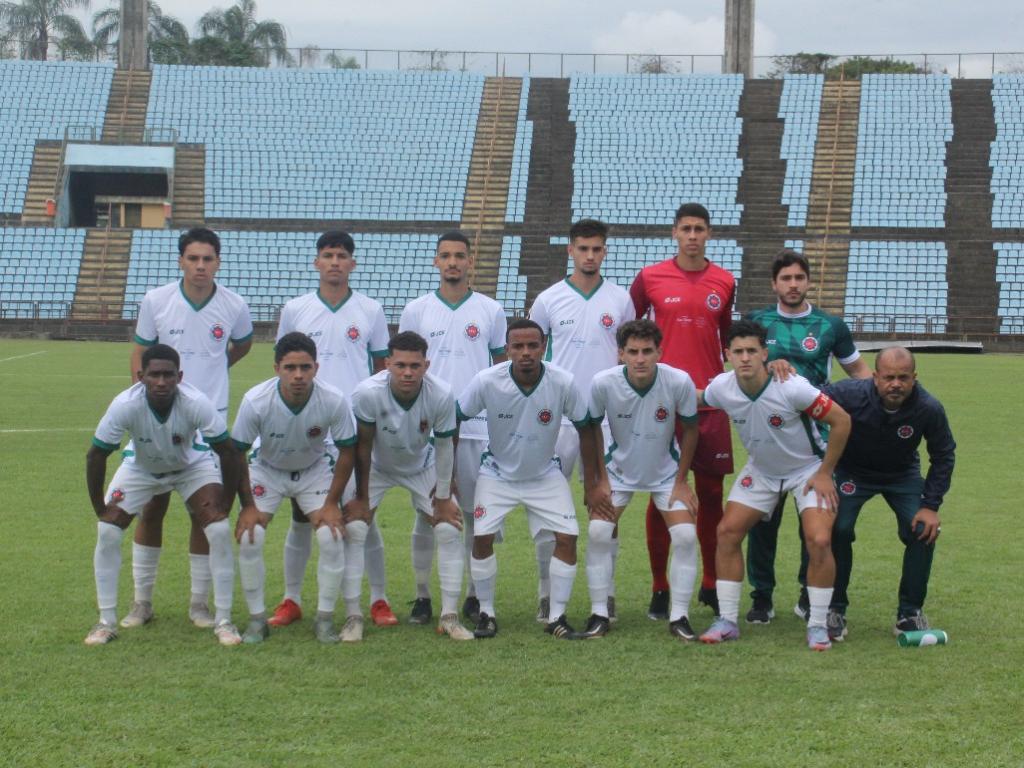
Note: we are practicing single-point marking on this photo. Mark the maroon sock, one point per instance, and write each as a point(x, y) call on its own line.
point(709, 498)
point(658, 545)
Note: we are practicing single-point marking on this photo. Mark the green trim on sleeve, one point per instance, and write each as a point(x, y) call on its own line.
point(217, 439)
point(449, 433)
point(243, 339)
point(345, 443)
point(497, 350)
point(378, 353)
point(366, 421)
point(240, 445)
point(144, 342)
point(104, 446)
point(459, 415)
point(688, 419)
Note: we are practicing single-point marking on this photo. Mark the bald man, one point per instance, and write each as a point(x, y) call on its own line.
point(891, 414)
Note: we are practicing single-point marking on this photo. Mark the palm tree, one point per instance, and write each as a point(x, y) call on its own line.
point(106, 29)
point(35, 22)
point(237, 35)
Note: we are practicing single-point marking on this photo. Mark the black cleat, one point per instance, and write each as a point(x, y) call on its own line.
point(836, 623)
point(486, 627)
point(910, 622)
point(658, 609)
point(803, 606)
point(561, 629)
point(422, 611)
point(709, 597)
point(597, 626)
point(471, 609)
point(681, 628)
point(761, 612)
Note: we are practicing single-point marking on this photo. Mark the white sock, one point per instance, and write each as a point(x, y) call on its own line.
point(562, 577)
point(330, 569)
point(355, 560)
point(599, 565)
point(682, 572)
point(423, 555)
point(449, 566)
point(375, 572)
point(819, 598)
point(222, 568)
point(467, 540)
point(106, 565)
point(144, 564)
point(545, 550)
point(298, 545)
point(485, 577)
point(252, 571)
point(202, 578)
point(729, 599)
point(615, 564)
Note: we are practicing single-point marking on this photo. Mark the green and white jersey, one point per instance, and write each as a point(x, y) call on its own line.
point(161, 445)
point(581, 327)
point(461, 338)
point(775, 425)
point(401, 445)
point(347, 335)
point(643, 455)
point(807, 340)
point(522, 425)
point(199, 333)
point(292, 440)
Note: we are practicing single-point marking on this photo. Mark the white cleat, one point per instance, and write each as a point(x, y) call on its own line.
point(449, 625)
point(101, 634)
point(140, 613)
point(227, 633)
point(199, 614)
point(352, 632)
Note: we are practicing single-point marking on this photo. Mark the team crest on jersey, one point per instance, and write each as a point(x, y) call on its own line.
point(661, 414)
point(775, 421)
point(810, 344)
point(353, 333)
point(217, 332)
point(847, 488)
point(905, 431)
point(607, 321)
point(544, 417)
point(117, 495)
point(714, 301)
point(480, 512)
point(259, 491)
point(472, 331)
point(315, 432)
point(176, 439)
point(747, 481)
point(423, 425)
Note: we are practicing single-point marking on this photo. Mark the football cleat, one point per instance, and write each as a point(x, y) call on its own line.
point(257, 631)
point(101, 634)
point(543, 609)
point(721, 631)
point(449, 625)
point(836, 624)
point(561, 629)
point(199, 614)
point(658, 609)
point(226, 633)
point(352, 632)
point(681, 628)
point(817, 639)
point(802, 609)
point(597, 626)
point(709, 596)
point(422, 611)
point(323, 628)
point(612, 616)
point(471, 609)
point(910, 622)
point(382, 614)
point(287, 612)
point(761, 612)
point(486, 627)
point(140, 613)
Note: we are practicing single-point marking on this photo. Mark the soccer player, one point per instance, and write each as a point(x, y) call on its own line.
point(691, 301)
point(400, 412)
point(580, 316)
point(351, 337)
point(786, 453)
point(891, 414)
point(807, 338)
point(211, 329)
point(290, 414)
point(643, 399)
point(162, 416)
point(525, 400)
point(465, 333)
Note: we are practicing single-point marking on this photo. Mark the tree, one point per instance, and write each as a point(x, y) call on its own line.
point(656, 65)
point(106, 30)
point(801, 64)
point(853, 68)
point(36, 22)
point(334, 61)
point(433, 61)
point(234, 37)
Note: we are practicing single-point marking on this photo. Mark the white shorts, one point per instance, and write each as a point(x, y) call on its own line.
point(547, 499)
point(420, 486)
point(567, 446)
point(309, 487)
point(660, 499)
point(755, 490)
point(131, 488)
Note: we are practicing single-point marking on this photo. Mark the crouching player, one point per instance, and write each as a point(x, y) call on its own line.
point(162, 416)
point(643, 399)
point(786, 455)
point(399, 411)
point(290, 414)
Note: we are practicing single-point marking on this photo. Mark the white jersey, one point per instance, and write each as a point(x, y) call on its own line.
point(347, 335)
point(199, 333)
point(292, 440)
point(522, 426)
point(643, 455)
point(775, 425)
point(581, 327)
point(402, 443)
point(461, 338)
point(161, 445)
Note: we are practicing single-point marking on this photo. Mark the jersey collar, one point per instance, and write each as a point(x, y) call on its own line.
point(196, 307)
point(404, 405)
point(586, 296)
point(287, 405)
point(645, 390)
point(753, 398)
point(790, 316)
point(333, 307)
point(456, 305)
point(543, 369)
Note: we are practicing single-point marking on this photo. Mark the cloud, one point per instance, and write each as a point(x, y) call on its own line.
point(670, 32)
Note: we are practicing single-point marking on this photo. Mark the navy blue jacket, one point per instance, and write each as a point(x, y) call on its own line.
point(883, 446)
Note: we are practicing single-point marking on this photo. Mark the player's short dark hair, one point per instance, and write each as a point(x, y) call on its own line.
point(787, 257)
point(294, 342)
point(336, 238)
point(407, 341)
point(198, 235)
point(588, 228)
point(523, 323)
point(161, 352)
point(638, 329)
point(742, 329)
point(454, 236)
point(695, 210)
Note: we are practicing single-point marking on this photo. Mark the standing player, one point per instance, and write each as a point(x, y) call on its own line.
point(691, 301)
point(401, 411)
point(290, 414)
point(580, 316)
point(525, 401)
point(211, 330)
point(808, 339)
point(465, 333)
point(162, 417)
point(643, 400)
point(351, 337)
point(785, 454)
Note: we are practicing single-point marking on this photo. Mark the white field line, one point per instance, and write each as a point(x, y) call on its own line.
point(48, 429)
point(21, 357)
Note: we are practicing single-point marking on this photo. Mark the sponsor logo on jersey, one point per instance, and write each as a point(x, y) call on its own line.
point(672, 300)
point(714, 301)
point(505, 416)
point(905, 431)
point(315, 432)
point(217, 332)
point(423, 425)
point(259, 491)
point(480, 512)
point(775, 421)
point(847, 488)
point(116, 495)
point(472, 331)
point(809, 344)
point(544, 417)
point(176, 439)
point(661, 414)
point(353, 333)
point(607, 321)
point(176, 331)
point(747, 481)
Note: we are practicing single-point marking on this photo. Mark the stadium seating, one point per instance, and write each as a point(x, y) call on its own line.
point(1010, 277)
point(516, 208)
point(645, 143)
point(900, 171)
point(324, 144)
point(896, 287)
point(38, 100)
point(38, 270)
point(800, 108)
point(511, 291)
point(1007, 155)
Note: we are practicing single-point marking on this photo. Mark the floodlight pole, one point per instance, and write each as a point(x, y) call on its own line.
point(739, 38)
point(132, 48)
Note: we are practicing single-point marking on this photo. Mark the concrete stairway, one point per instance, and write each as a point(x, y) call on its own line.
point(188, 195)
point(125, 119)
point(42, 183)
point(99, 294)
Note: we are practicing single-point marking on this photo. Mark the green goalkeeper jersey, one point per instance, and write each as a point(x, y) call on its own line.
point(808, 341)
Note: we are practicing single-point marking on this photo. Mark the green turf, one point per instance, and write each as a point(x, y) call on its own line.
point(168, 695)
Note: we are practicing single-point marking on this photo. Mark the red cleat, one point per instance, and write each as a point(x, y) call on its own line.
point(287, 612)
point(382, 614)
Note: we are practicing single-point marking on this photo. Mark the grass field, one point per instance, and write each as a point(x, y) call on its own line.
point(168, 695)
